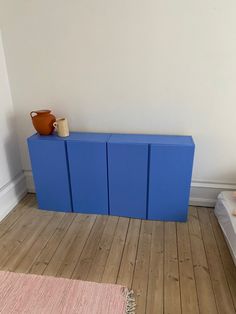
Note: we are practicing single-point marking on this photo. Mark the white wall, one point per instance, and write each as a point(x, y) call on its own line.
point(151, 66)
point(12, 185)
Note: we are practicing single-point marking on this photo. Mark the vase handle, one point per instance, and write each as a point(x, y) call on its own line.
point(31, 114)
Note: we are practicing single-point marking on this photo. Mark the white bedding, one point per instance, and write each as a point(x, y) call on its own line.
point(226, 203)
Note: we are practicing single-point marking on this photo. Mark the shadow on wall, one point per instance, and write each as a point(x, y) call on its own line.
point(13, 162)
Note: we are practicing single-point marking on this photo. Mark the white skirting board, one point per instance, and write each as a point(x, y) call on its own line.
point(11, 193)
point(203, 193)
point(29, 181)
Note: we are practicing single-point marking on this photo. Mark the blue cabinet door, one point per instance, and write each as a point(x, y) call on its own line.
point(50, 172)
point(88, 172)
point(128, 171)
point(169, 181)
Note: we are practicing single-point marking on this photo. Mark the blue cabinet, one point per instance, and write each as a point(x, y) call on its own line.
point(139, 176)
point(169, 181)
point(50, 172)
point(128, 170)
point(87, 155)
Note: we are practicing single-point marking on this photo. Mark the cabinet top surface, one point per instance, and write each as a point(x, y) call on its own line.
point(151, 139)
point(118, 138)
point(79, 136)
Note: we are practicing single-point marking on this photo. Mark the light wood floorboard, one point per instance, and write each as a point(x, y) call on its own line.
point(172, 267)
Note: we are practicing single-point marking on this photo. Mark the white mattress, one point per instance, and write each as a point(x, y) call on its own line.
point(226, 203)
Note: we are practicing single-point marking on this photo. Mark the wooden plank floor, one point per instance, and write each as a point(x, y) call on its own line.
point(172, 267)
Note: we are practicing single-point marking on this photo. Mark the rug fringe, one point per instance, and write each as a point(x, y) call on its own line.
point(130, 301)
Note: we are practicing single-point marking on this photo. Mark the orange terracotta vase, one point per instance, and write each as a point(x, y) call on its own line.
point(43, 121)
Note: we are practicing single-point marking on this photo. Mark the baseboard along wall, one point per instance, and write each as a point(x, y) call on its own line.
point(11, 193)
point(203, 193)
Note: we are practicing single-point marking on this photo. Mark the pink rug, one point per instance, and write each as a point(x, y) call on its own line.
point(33, 294)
